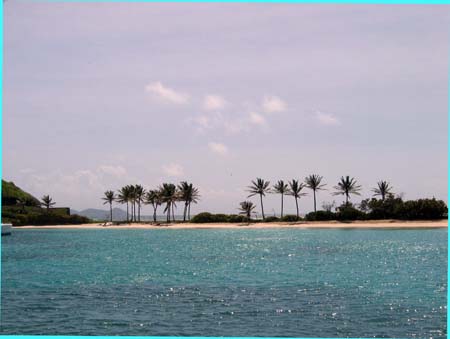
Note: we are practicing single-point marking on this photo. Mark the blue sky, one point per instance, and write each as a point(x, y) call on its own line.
point(97, 95)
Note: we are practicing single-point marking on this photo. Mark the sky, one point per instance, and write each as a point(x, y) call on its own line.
point(99, 95)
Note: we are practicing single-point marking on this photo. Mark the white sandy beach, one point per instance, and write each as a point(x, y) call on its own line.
point(394, 224)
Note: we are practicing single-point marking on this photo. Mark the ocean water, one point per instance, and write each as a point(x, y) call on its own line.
point(270, 282)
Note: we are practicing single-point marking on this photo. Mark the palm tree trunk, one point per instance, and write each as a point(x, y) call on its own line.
point(189, 211)
point(154, 212)
point(296, 205)
point(282, 205)
point(139, 211)
point(185, 210)
point(262, 207)
point(110, 212)
point(173, 214)
point(168, 212)
point(346, 199)
point(127, 212)
point(315, 210)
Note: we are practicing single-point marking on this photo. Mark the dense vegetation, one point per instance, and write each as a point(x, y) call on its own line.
point(373, 209)
point(21, 208)
point(13, 195)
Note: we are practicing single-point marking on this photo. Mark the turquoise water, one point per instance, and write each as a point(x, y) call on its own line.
point(271, 282)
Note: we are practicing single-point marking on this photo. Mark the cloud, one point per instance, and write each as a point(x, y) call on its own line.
point(327, 119)
point(257, 119)
point(166, 93)
point(173, 170)
point(214, 103)
point(218, 148)
point(273, 104)
point(116, 171)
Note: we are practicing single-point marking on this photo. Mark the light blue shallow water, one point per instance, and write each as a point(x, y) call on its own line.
point(271, 282)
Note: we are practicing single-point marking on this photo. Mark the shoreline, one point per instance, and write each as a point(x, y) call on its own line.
point(370, 224)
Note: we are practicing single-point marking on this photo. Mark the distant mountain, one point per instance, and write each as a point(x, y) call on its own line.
point(98, 214)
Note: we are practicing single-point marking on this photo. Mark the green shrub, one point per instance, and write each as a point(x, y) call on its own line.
point(272, 219)
point(206, 217)
point(290, 218)
point(422, 209)
point(349, 212)
point(237, 218)
point(320, 216)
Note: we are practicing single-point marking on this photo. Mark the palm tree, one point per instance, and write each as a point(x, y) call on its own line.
point(47, 202)
point(295, 189)
point(260, 187)
point(139, 197)
point(132, 189)
point(313, 182)
point(281, 188)
point(189, 194)
point(346, 187)
point(109, 198)
point(247, 208)
point(124, 197)
point(153, 197)
point(169, 196)
point(383, 189)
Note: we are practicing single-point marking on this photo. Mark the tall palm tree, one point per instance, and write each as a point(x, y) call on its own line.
point(132, 190)
point(124, 197)
point(261, 187)
point(47, 202)
point(346, 187)
point(295, 189)
point(281, 188)
point(194, 198)
point(153, 197)
point(109, 198)
point(169, 196)
point(383, 189)
point(246, 209)
point(313, 182)
point(189, 194)
point(139, 192)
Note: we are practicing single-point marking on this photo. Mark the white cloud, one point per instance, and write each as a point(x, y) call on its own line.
point(257, 119)
point(214, 103)
point(273, 104)
point(173, 170)
point(166, 93)
point(218, 148)
point(116, 171)
point(327, 119)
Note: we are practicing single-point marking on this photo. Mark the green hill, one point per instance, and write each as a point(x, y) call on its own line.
point(11, 194)
point(21, 208)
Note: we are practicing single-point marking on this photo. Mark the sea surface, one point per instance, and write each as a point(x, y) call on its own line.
point(235, 282)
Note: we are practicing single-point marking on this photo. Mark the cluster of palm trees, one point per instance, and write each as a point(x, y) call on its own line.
point(134, 196)
point(346, 186)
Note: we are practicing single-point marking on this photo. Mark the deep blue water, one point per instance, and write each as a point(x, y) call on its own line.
point(271, 282)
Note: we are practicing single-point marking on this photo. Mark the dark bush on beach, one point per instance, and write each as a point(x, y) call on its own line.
point(40, 219)
point(347, 212)
point(425, 209)
point(206, 217)
point(290, 218)
point(237, 218)
point(55, 219)
point(272, 219)
point(382, 209)
point(320, 216)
